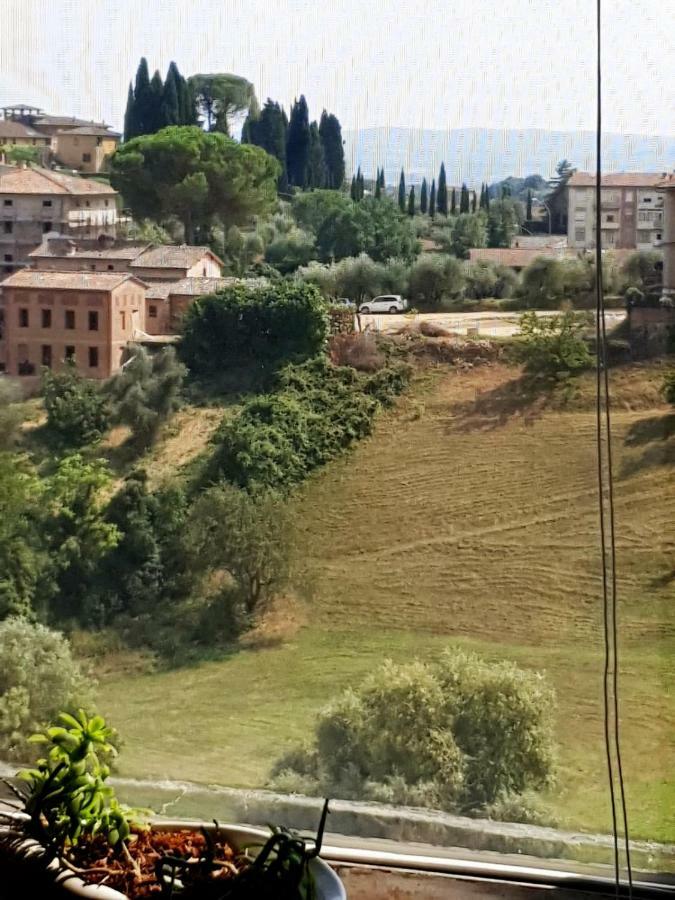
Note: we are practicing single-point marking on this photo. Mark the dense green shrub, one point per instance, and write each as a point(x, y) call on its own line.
point(553, 346)
point(77, 412)
point(21, 561)
point(290, 251)
point(458, 735)
point(375, 227)
point(260, 327)
point(485, 279)
point(669, 387)
point(38, 677)
point(11, 413)
point(433, 278)
point(643, 270)
point(318, 411)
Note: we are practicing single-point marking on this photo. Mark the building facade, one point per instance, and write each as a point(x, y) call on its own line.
point(48, 317)
point(87, 148)
point(36, 201)
point(631, 214)
point(16, 134)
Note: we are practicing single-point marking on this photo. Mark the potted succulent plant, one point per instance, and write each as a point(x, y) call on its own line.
point(69, 823)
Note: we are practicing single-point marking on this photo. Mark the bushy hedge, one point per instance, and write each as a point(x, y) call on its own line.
point(318, 411)
point(259, 326)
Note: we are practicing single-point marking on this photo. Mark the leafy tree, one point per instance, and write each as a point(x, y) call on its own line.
point(298, 144)
point(146, 391)
point(247, 536)
point(457, 735)
point(643, 270)
point(289, 251)
point(542, 282)
point(553, 346)
point(375, 227)
point(77, 413)
point(442, 192)
point(220, 97)
point(464, 200)
point(196, 176)
point(38, 678)
point(669, 387)
point(22, 154)
point(359, 278)
point(528, 214)
point(11, 414)
point(260, 327)
point(268, 130)
point(311, 209)
point(330, 132)
point(434, 277)
point(424, 204)
point(20, 559)
point(411, 202)
point(77, 534)
point(401, 192)
point(240, 251)
point(468, 231)
point(485, 279)
point(503, 222)
point(432, 199)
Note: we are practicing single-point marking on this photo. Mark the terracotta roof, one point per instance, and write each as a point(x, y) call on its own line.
point(159, 290)
point(64, 121)
point(9, 128)
point(172, 256)
point(97, 130)
point(617, 179)
point(35, 180)
point(58, 248)
point(74, 281)
point(514, 257)
point(197, 287)
point(667, 183)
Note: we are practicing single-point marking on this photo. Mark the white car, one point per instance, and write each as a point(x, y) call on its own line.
point(391, 303)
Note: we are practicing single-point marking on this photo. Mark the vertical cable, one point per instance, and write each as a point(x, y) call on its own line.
point(601, 364)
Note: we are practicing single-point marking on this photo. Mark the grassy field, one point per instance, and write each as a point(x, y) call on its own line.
point(469, 517)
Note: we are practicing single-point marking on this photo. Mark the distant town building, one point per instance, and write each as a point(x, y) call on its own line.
point(16, 134)
point(517, 258)
point(631, 214)
point(35, 201)
point(666, 189)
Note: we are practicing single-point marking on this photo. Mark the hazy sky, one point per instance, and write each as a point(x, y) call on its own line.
point(423, 63)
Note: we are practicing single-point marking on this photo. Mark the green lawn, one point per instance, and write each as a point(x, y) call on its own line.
point(469, 517)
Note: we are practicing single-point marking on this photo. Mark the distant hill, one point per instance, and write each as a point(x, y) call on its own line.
point(475, 155)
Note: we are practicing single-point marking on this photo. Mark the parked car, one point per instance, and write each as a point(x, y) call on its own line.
point(391, 303)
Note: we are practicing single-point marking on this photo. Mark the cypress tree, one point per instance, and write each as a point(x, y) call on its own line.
point(473, 202)
point(482, 192)
point(378, 187)
point(130, 116)
point(423, 197)
point(528, 215)
point(170, 109)
point(442, 194)
point(297, 144)
point(142, 99)
point(401, 192)
point(464, 199)
point(453, 203)
point(186, 101)
point(316, 163)
point(487, 197)
point(411, 201)
point(330, 132)
point(432, 199)
point(155, 122)
point(352, 190)
point(361, 184)
point(382, 184)
point(267, 129)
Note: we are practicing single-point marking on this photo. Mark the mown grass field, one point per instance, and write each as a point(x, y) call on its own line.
point(469, 517)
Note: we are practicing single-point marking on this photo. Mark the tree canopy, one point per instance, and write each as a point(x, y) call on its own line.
point(195, 176)
point(220, 97)
point(375, 227)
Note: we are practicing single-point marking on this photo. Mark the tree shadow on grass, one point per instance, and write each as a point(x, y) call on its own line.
point(657, 435)
point(524, 399)
point(664, 580)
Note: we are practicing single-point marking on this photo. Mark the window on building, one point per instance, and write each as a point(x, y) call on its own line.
point(658, 236)
point(123, 320)
point(8, 227)
point(644, 237)
point(152, 311)
point(47, 355)
point(8, 203)
point(9, 257)
point(70, 352)
point(46, 202)
point(93, 357)
point(24, 318)
point(46, 318)
point(86, 157)
point(93, 320)
point(111, 267)
point(46, 226)
point(610, 218)
point(69, 319)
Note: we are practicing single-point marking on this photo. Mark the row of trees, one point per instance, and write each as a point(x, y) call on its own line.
point(310, 154)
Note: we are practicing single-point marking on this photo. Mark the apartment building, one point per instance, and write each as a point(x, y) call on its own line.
point(666, 189)
point(48, 317)
point(87, 148)
point(35, 201)
point(631, 214)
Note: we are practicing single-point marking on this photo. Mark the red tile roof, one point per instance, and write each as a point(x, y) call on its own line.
point(64, 281)
point(514, 257)
point(173, 256)
point(617, 179)
point(96, 130)
point(35, 180)
point(72, 248)
point(9, 128)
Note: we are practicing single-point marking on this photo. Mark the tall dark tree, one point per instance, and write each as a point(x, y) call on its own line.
point(170, 110)
point(411, 201)
point(464, 199)
point(453, 202)
point(473, 202)
point(352, 189)
point(528, 214)
point(130, 115)
point(268, 129)
point(401, 192)
point(330, 132)
point(142, 99)
point(297, 144)
point(382, 184)
point(423, 197)
point(486, 198)
point(432, 199)
point(154, 122)
point(378, 186)
point(442, 193)
point(361, 184)
point(316, 163)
